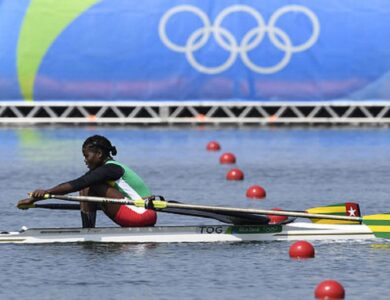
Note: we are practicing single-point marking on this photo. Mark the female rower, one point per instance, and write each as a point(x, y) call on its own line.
point(105, 178)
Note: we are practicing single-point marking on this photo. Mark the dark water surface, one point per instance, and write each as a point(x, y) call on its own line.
point(299, 168)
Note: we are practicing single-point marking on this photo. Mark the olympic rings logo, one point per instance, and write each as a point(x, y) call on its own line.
point(249, 42)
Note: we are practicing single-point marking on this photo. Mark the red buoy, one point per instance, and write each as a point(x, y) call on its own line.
point(329, 289)
point(255, 192)
point(213, 146)
point(227, 158)
point(235, 174)
point(301, 249)
point(275, 219)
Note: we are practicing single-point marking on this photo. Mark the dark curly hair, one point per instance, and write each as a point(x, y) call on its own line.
point(99, 142)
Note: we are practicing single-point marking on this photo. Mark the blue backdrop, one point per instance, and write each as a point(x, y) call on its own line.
point(194, 50)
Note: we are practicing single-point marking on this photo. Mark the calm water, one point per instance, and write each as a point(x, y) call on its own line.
point(299, 168)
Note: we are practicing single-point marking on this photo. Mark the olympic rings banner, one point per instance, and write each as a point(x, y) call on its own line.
point(155, 50)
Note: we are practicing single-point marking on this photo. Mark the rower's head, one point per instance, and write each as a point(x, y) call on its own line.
point(97, 150)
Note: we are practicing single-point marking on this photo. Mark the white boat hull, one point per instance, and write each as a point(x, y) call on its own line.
point(189, 234)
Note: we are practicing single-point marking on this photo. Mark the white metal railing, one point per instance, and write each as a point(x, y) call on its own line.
point(212, 112)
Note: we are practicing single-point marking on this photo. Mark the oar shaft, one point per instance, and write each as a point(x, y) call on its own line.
point(263, 212)
point(208, 208)
point(58, 206)
point(91, 199)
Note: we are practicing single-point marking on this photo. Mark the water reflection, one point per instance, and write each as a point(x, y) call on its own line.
point(46, 146)
point(104, 248)
point(381, 246)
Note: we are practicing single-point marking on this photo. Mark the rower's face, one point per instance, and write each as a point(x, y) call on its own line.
point(93, 159)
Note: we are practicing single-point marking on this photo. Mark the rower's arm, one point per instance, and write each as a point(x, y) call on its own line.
point(61, 189)
point(99, 175)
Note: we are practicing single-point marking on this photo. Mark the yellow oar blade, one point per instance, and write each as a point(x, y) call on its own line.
point(340, 209)
point(26, 206)
point(379, 224)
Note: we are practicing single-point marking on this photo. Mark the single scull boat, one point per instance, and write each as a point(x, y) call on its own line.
point(200, 233)
point(326, 226)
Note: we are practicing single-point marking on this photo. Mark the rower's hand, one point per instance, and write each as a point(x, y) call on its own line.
point(149, 202)
point(38, 194)
point(25, 203)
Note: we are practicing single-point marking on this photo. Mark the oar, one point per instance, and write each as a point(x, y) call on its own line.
point(158, 204)
point(225, 217)
point(379, 223)
point(230, 218)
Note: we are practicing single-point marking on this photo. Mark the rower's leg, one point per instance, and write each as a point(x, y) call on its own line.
point(128, 218)
point(105, 190)
point(88, 211)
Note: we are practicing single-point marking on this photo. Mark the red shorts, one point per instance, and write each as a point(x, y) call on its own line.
point(127, 217)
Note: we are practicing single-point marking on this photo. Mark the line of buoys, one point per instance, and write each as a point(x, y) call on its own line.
point(329, 289)
point(236, 174)
point(326, 290)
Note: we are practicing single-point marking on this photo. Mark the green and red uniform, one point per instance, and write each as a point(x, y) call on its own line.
point(129, 184)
